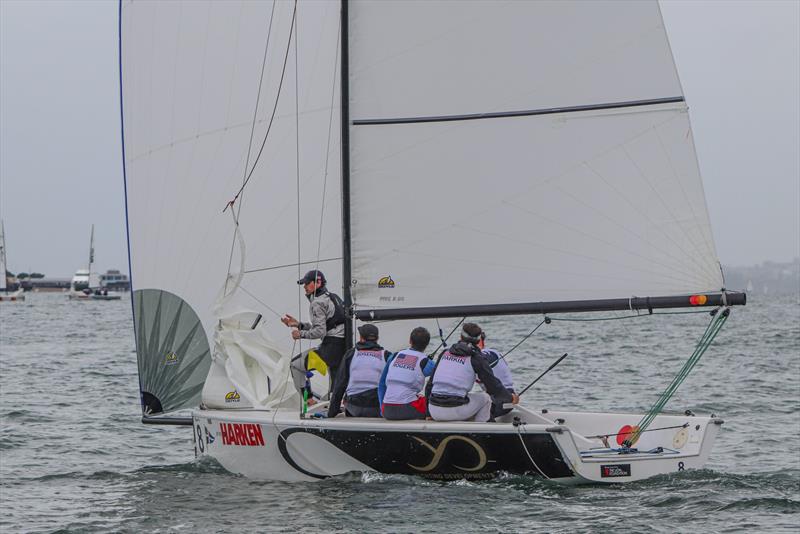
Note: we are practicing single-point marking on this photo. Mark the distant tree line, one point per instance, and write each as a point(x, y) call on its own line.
point(23, 276)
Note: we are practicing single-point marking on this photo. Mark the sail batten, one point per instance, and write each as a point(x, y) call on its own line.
point(519, 113)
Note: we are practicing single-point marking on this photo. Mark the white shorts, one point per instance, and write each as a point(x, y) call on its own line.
point(478, 408)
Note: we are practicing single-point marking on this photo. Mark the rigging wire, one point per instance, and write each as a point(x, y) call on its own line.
point(634, 316)
point(272, 116)
point(443, 344)
point(297, 164)
point(545, 320)
point(328, 144)
point(253, 128)
point(259, 300)
point(525, 447)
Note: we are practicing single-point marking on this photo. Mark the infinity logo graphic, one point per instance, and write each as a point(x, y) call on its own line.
point(439, 451)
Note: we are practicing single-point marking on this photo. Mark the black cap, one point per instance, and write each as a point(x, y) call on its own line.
point(368, 332)
point(312, 276)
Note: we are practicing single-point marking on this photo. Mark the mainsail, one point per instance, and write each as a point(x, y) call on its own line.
point(492, 154)
point(508, 152)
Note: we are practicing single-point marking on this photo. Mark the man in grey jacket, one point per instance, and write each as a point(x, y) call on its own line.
point(327, 321)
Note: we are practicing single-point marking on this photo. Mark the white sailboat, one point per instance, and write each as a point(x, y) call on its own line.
point(9, 292)
point(453, 150)
point(85, 284)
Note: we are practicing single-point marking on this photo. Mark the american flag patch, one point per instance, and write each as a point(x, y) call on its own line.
point(406, 361)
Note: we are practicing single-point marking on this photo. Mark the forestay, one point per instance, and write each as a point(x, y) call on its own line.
point(508, 152)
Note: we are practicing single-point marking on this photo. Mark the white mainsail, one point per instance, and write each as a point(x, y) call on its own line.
point(510, 152)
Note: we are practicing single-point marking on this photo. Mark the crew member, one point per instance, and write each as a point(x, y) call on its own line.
point(327, 322)
point(450, 398)
point(501, 370)
point(359, 375)
point(404, 377)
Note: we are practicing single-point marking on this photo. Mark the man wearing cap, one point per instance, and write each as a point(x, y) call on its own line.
point(450, 397)
point(327, 321)
point(359, 375)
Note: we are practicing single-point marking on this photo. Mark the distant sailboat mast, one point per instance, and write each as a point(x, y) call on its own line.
point(2, 257)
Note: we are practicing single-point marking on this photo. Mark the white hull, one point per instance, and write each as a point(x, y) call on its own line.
point(279, 445)
point(12, 296)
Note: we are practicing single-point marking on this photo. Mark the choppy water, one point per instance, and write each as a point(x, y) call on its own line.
point(74, 457)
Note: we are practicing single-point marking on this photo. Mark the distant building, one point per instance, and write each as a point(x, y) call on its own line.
point(115, 281)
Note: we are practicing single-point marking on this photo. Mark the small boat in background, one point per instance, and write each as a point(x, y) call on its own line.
point(10, 290)
point(86, 283)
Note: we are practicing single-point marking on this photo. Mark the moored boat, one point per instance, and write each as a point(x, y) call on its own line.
point(10, 290)
point(85, 284)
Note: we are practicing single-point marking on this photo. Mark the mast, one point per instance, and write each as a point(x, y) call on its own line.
point(345, 142)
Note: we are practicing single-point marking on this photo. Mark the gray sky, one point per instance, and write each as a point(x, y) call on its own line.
point(60, 158)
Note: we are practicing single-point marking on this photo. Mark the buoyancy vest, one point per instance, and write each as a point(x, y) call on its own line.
point(365, 370)
point(338, 312)
point(404, 379)
point(454, 376)
point(499, 367)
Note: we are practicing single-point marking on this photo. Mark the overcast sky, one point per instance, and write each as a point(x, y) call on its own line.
point(60, 158)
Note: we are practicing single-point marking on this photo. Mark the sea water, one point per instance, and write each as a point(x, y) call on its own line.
point(75, 458)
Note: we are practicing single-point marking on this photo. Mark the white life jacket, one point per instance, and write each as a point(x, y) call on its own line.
point(365, 371)
point(454, 376)
point(404, 379)
point(500, 369)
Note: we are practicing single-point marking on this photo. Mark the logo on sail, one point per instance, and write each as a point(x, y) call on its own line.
point(386, 281)
point(438, 452)
point(171, 358)
point(232, 396)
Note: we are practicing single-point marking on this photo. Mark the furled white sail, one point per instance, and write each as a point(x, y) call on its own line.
point(196, 110)
point(520, 151)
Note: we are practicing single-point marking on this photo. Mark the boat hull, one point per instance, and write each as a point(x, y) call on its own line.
point(12, 296)
point(78, 295)
point(279, 445)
